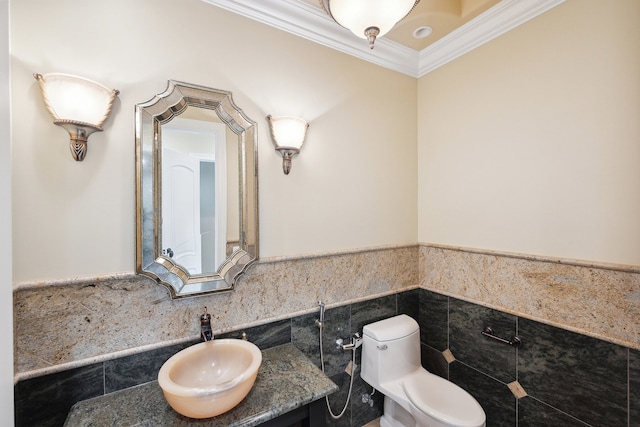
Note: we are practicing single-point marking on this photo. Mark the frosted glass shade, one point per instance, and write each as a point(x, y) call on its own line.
point(288, 132)
point(76, 99)
point(78, 105)
point(359, 15)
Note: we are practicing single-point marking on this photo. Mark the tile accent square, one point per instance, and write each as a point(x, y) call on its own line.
point(517, 390)
point(448, 356)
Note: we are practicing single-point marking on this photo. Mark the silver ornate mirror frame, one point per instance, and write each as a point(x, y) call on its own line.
point(149, 259)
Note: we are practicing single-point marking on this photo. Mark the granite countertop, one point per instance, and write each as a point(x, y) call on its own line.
point(287, 380)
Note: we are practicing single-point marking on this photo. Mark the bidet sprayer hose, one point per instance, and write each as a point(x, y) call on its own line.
point(353, 368)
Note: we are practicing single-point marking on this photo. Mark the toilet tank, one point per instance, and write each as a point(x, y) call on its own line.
point(390, 349)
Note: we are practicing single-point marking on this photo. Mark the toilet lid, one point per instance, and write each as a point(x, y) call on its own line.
point(443, 400)
point(392, 328)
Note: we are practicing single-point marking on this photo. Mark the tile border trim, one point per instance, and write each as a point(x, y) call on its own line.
point(624, 268)
point(35, 284)
point(353, 251)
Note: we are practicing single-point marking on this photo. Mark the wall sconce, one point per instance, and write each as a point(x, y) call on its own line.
point(77, 104)
point(287, 134)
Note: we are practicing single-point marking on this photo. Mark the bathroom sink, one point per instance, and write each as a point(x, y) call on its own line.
point(210, 378)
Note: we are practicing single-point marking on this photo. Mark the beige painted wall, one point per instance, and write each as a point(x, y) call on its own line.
point(6, 297)
point(354, 184)
point(531, 143)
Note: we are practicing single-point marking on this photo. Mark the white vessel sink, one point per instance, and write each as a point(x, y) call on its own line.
point(210, 378)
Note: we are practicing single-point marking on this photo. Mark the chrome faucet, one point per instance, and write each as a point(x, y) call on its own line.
point(205, 326)
point(356, 341)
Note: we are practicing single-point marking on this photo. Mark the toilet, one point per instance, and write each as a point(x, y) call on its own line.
point(414, 397)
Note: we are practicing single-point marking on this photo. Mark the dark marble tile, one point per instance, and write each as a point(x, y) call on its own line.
point(496, 399)
point(434, 319)
point(364, 412)
point(337, 402)
point(533, 413)
point(337, 323)
point(45, 401)
point(264, 336)
point(466, 322)
point(138, 368)
point(634, 388)
point(434, 362)
point(365, 312)
point(305, 335)
point(581, 376)
point(409, 303)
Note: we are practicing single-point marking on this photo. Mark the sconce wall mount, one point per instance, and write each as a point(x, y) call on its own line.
point(288, 134)
point(78, 105)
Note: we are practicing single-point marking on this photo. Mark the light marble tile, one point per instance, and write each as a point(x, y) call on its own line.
point(88, 320)
point(599, 301)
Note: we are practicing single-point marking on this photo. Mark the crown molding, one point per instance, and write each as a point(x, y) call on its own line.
point(503, 17)
point(311, 23)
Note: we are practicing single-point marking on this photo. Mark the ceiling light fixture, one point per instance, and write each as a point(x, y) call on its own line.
point(368, 19)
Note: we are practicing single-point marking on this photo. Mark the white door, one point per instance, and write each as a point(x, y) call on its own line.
point(181, 209)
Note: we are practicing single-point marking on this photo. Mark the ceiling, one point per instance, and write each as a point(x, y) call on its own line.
point(458, 26)
point(442, 16)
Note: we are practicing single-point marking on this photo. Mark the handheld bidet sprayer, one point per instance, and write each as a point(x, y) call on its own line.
point(320, 322)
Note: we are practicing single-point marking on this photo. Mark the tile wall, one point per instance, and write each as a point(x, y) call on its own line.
point(602, 301)
point(565, 379)
point(580, 324)
point(46, 400)
point(568, 379)
point(88, 320)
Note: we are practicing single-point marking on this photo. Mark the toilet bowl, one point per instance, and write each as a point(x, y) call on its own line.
point(414, 397)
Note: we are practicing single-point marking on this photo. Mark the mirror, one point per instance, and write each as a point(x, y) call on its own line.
point(196, 190)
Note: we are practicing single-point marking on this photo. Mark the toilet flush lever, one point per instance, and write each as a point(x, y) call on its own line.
point(382, 347)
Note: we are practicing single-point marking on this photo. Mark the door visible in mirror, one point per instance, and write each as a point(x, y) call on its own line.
point(197, 226)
